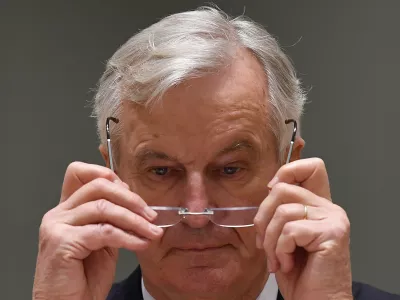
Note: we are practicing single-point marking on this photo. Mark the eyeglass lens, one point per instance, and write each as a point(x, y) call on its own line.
point(225, 217)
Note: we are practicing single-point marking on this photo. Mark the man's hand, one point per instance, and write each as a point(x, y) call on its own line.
point(307, 248)
point(79, 239)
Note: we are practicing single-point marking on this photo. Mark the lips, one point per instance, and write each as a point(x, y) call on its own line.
point(210, 256)
point(200, 248)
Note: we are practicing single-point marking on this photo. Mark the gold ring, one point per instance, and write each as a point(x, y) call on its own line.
point(305, 212)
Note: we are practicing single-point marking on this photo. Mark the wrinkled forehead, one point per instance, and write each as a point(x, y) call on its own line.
point(238, 93)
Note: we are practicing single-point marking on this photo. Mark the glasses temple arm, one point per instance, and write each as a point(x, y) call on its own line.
point(293, 138)
point(108, 135)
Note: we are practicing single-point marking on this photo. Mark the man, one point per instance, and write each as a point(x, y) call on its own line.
point(195, 157)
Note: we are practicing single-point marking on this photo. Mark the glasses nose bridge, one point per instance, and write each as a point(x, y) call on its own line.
point(186, 212)
point(196, 219)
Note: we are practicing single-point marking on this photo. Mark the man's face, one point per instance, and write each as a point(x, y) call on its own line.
point(206, 144)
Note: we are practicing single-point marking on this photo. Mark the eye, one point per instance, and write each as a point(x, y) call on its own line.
point(160, 171)
point(230, 170)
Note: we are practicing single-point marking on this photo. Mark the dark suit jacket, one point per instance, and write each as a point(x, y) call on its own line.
point(131, 289)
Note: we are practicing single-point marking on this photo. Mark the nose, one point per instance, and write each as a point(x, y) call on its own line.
point(196, 221)
point(195, 200)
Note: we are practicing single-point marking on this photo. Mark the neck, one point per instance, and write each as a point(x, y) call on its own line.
point(240, 290)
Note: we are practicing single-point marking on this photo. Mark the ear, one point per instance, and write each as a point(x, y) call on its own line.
point(298, 146)
point(104, 154)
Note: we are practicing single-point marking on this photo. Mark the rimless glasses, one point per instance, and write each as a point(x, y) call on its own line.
point(234, 217)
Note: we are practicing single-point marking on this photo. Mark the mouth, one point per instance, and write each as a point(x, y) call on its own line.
point(201, 257)
point(201, 249)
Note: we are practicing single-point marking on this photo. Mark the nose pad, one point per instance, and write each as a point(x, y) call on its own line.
point(196, 221)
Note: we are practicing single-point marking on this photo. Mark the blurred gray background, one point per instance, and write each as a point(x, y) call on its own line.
point(346, 52)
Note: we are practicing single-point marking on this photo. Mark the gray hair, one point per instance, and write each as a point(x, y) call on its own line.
point(193, 44)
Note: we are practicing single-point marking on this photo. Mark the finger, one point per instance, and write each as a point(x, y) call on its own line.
point(283, 214)
point(101, 188)
point(103, 211)
point(309, 173)
point(294, 234)
point(283, 193)
point(94, 237)
point(79, 174)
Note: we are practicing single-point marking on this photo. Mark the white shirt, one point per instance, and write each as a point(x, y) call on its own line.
point(270, 291)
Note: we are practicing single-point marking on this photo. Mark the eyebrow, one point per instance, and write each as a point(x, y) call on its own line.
point(144, 155)
point(237, 145)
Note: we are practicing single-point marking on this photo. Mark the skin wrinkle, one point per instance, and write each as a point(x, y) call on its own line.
point(145, 136)
point(195, 122)
point(146, 155)
point(188, 163)
point(190, 135)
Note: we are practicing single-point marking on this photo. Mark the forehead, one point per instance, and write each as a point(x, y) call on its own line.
point(234, 98)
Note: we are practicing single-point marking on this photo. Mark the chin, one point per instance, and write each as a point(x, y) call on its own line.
point(204, 280)
point(202, 274)
point(205, 272)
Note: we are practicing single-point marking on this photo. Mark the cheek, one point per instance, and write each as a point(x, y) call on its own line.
point(248, 247)
point(155, 194)
point(152, 255)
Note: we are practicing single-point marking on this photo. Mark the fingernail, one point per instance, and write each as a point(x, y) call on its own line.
point(150, 213)
point(126, 185)
point(258, 241)
point(273, 182)
point(157, 230)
